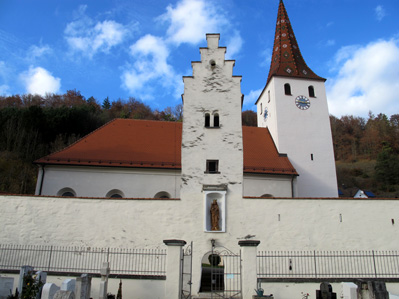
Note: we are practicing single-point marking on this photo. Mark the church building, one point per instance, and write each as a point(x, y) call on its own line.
point(209, 182)
point(289, 154)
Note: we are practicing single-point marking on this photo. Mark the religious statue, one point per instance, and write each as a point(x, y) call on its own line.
point(215, 216)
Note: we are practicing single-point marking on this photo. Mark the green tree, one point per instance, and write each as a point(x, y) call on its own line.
point(387, 167)
point(106, 104)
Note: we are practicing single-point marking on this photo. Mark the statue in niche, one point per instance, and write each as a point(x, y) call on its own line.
point(215, 216)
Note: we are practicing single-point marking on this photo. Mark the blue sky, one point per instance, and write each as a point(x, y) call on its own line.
point(141, 49)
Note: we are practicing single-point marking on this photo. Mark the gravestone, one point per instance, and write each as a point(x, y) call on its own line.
point(49, 290)
point(25, 270)
point(83, 287)
point(349, 290)
point(64, 295)
point(41, 276)
point(325, 292)
point(104, 280)
point(372, 290)
point(68, 285)
point(6, 286)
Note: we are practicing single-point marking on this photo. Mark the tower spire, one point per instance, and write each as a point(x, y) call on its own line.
point(287, 59)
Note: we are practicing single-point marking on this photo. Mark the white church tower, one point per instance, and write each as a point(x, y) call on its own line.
point(212, 149)
point(293, 105)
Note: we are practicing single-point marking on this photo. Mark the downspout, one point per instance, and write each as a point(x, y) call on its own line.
point(41, 180)
point(292, 186)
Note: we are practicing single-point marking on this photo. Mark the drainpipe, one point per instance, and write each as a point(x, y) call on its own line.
point(41, 179)
point(292, 186)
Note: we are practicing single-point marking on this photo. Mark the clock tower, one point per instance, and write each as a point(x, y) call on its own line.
point(293, 106)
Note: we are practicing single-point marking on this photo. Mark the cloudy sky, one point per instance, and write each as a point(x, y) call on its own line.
point(123, 48)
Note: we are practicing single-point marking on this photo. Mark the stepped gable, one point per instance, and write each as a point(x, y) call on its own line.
point(287, 59)
point(157, 144)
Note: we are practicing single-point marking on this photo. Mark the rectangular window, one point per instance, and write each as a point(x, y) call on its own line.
point(212, 166)
point(311, 157)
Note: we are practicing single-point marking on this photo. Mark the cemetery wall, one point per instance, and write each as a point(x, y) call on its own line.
point(280, 224)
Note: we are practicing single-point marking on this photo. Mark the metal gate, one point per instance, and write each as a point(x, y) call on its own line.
point(186, 264)
point(226, 274)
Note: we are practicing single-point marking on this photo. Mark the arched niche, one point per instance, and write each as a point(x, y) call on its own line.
point(215, 194)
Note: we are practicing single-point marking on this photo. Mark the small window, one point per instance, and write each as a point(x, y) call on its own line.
point(162, 194)
point(268, 96)
point(216, 120)
point(311, 157)
point(207, 120)
point(287, 89)
point(115, 193)
point(267, 195)
point(66, 192)
point(261, 108)
point(212, 166)
point(311, 91)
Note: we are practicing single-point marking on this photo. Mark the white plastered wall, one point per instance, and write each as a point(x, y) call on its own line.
point(280, 224)
point(274, 185)
point(98, 181)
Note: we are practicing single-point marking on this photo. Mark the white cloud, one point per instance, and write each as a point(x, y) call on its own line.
point(251, 98)
point(39, 81)
point(234, 45)
point(190, 20)
point(38, 51)
point(187, 22)
point(83, 35)
point(151, 54)
point(380, 12)
point(367, 79)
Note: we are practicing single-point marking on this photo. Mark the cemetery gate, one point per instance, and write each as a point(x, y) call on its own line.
point(225, 274)
point(186, 264)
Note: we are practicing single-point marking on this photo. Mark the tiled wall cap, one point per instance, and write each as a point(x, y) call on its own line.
point(248, 243)
point(174, 242)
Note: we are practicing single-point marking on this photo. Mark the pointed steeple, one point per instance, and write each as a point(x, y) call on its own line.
point(287, 59)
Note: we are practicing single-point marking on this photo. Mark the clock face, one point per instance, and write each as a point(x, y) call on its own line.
point(302, 102)
point(266, 113)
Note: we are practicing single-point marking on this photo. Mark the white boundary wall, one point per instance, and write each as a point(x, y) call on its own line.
point(280, 224)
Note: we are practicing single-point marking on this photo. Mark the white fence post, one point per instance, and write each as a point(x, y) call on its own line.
point(173, 268)
point(249, 276)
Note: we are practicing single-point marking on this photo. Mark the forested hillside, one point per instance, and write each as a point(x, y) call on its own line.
point(32, 126)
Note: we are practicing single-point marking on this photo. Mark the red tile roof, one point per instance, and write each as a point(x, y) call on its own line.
point(287, 59)
point(157, 144)
point(261, 155)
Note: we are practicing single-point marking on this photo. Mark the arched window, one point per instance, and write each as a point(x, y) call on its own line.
point(311, 91)
point(267, 195)
point(287, 89)
point(115, 193)
point(66, 192)
point(162, 194)
point(207, 120)
point(216, 120)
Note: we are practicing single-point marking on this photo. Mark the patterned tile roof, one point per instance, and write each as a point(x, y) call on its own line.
point(157, 144)
point(287, 59)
